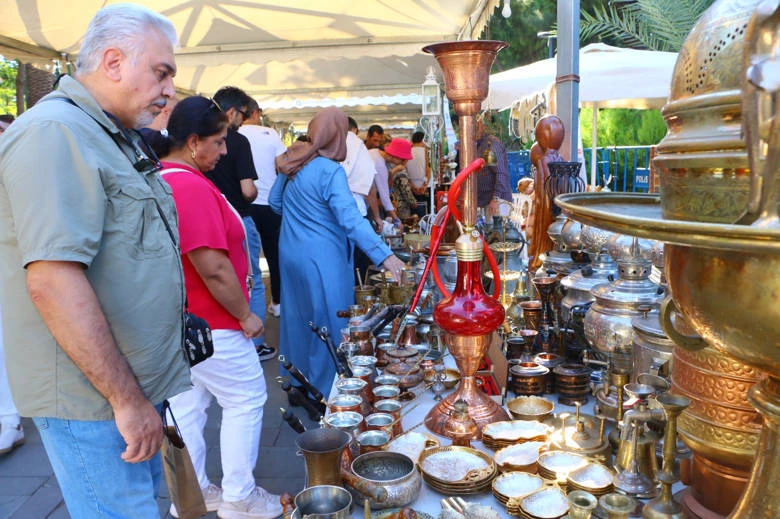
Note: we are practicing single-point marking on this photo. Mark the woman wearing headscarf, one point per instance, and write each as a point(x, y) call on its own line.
point(216, 270)
point(320, 218)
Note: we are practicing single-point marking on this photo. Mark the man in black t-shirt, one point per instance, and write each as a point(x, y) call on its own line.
point(234, 175)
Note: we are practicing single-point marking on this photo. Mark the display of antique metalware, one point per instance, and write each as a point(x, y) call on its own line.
point(572, 383)
point(581, 439)
point(530, 408)
point(637, 452)
point(664, 506)
point(601, 269)
point(608, 321)
point(702, 159)
point(616, 506)
point(652, 349)
point(548, 339)
point(720, 426)
point(558, 259)
point(528, 378)
point(513, 272)
point(468, 316)
point(581, 504)
point(461, 428)
point(457, 470)
point(322, 449)
point(532, 313)
point(549, 361)
point(394, 472)
point(630, 480)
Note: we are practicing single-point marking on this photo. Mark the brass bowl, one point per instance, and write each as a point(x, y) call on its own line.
point(530, 408)
point(451, 377)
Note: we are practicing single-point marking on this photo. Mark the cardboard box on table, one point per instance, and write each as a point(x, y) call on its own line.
point(496, 368)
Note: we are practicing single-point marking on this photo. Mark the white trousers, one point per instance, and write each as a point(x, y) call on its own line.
point(234, 377)
point(8, 413)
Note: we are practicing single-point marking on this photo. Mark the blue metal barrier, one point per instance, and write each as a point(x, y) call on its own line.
point(621, 168)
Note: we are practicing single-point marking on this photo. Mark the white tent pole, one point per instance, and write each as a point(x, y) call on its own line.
point(593, 147)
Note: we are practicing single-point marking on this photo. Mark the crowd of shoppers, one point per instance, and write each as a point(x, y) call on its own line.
point(97, 269)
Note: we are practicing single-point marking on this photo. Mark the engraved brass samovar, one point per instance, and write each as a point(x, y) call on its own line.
point(722, 249)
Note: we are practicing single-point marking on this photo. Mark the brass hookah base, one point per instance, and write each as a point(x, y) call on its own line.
point(467, 352)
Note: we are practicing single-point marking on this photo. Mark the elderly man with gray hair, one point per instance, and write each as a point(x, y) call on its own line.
point(91, 279)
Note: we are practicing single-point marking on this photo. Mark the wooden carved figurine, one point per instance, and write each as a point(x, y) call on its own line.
point(549, 135)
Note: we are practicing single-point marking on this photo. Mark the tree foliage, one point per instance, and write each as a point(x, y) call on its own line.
point(642, 24)
point(8, 70)
point(528, 18)
point(622, 127)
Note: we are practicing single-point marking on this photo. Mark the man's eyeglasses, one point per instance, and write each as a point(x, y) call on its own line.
point(244, 113)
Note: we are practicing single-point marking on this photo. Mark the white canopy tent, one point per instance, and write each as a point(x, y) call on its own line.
point(610, 77)
point(291, 56)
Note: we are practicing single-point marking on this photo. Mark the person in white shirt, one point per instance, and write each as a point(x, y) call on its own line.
point(419, 169)
point(266, 146)
point(360, 177)
point(382, 176)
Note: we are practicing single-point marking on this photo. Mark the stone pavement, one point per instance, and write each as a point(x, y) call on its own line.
point(29, 490)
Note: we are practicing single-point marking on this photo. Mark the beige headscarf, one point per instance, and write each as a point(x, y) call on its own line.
point(327, 138)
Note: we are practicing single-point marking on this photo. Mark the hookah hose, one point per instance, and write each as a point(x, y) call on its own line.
point(438, 233)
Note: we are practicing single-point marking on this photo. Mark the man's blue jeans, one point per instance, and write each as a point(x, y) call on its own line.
point(257, 297)
point(95, 481)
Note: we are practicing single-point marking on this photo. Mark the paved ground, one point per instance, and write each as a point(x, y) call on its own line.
point(29, 490)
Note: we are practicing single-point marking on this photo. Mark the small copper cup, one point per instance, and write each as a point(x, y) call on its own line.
point(343, 402)
point(371, 441)
point(393, 408)
point(387, 379)
point(362, 291)
point(380, 422)
point(385, 392)
point(532, 314)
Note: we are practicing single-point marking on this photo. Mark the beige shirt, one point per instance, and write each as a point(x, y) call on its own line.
point(68, 193)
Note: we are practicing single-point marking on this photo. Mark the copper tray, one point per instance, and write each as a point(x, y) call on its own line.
point(640, 215)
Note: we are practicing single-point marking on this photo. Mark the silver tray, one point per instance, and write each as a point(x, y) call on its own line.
point(640, 215)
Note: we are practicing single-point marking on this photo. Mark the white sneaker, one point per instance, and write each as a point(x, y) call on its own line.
point(275, 310)
point(212, 496)
point(11, 436)
point(257, 505)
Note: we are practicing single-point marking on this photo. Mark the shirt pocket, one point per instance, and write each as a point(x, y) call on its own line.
point(137, 224)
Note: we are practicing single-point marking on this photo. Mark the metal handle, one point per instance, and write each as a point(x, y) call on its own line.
point(688, 342)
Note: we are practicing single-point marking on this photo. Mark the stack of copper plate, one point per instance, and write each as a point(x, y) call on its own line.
point(457, 470)
point(503, 434)
point(557, 465)
point(515, 485)
point(520, 457)
point(594, 478)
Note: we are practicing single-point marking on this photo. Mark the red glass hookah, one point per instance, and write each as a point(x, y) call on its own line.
point(468, 316)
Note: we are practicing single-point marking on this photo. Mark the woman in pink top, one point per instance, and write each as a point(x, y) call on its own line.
point(216, 270)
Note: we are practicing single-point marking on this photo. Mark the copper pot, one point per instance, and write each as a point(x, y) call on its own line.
point(529, 378)
point(410, 374)
point(572, 383)
point(344, 402)
point(392, 407)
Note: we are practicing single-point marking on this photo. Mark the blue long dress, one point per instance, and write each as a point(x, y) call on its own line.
point(319, 218)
